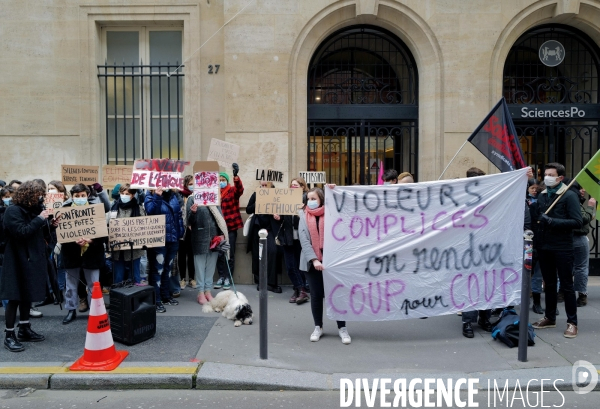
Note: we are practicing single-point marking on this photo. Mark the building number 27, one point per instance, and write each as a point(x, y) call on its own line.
point(215, 68)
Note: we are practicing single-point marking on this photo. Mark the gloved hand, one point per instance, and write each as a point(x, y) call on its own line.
point(236, 169)
point(224, 246)
point(545, 219)
point(97, 187)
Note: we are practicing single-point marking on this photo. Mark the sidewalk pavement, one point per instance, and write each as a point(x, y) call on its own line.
point(205, 351)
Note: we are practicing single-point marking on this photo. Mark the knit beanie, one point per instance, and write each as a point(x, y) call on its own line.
point(225, 175)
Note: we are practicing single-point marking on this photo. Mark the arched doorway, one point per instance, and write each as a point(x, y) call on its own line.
point(362, 106)
point(551, 84)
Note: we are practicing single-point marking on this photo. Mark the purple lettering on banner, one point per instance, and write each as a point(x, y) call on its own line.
point(353, 291)
point(404, 229)
point(435, 219)
point(331, 299)
point(456, 217)
point(473, 277)
point(333, 230)
point(386, 225)
point(352, 227)
point(452, 292)
point(481, 216)
point(393, 294)
point(422, 222)
point(487, 286)
point(373, 310)
point(506, 283)
point(376, 224)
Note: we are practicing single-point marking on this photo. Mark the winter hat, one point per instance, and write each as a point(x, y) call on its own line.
point(225, 175)
point(115, 192)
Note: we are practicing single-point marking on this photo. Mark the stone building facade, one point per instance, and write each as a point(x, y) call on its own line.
point(343, 86)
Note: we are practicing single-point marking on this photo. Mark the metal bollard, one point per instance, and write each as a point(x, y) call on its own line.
point(525, 290)
point(263, 295)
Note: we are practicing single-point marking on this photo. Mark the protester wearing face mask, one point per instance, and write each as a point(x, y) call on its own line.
point(25, 267)
point(84, 253)
point(185, 256)
point(6, 194)
point(553, 238)
point(230, 206)
point(127, 206)
point(311, 231)
point(390, 177)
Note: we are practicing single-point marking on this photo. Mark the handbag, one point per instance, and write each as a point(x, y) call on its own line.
point(277, 241)
point(247, 226)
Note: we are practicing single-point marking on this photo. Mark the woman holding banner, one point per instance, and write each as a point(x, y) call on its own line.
point(311, 232)
point(25, 268)
point(86, 254)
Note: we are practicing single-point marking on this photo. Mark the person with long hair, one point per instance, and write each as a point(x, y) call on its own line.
point(185, 256)
point(311, 232)
point(25, 267)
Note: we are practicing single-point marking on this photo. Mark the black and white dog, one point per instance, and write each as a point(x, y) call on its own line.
point(235, 308)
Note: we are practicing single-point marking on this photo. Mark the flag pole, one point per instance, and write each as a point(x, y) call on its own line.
point(451, 160)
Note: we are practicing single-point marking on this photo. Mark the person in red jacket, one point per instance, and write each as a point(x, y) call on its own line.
point(230, 206)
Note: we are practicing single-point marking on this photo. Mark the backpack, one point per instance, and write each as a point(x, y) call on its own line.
point(507, 329)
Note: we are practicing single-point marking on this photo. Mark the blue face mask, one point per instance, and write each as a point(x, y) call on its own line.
point(223, 184)
point(386, 183)
point(7, 201)
point(125, 198)
point(80, 201)
point(312, 204)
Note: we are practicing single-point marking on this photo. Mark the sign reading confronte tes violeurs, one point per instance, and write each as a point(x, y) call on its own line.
point(76, 222)
point(423, 249)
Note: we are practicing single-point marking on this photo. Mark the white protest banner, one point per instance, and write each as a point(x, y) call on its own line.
point(223, 152)
point(143, 231)
point(73, 174)
point(76, 222)
point(269, 175)
point(206, 183)
point(278, 201)
point(53, 201)
point(313, 177)
point(417, 250)
point(154, 173)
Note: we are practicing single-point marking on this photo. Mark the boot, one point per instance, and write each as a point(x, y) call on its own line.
point(202, 298)
point(12, 343)
point(26, 334)
point(294, 296)
point(70, 317)
point(582, 300)
point(537, 306)
point(83, 305)
point(47, 301)
point(302, 296)
point(208, 295)
point(468, 330)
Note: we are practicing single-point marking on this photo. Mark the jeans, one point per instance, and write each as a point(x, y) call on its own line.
point(72, 280)
point(581, 263)
point(536, 279)
point(144, 268)
point(552, 261)
point(119, 270)
point(160, 260)
point(471, 316)
point(205, 270)
point(292, 264)
point(60, 273)
point(221, 262)
point(317, 294)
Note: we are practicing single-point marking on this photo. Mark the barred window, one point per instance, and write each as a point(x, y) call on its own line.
point(143, 106)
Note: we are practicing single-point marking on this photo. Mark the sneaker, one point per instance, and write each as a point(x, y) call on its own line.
point(192, 284)
point(208, 295)
point(144, 282)
point(34, 313)
point(201, 298)
point(344, 336)
point(582, 300)
point(176, 294)
point(160, 307)
point(172, 301)
point(105, 290)
point(141, 284)
point(316, 335)
point(544, 323)
point(571, 331)
point(182, 284)
point(226, 284)
point(83, 305)
point(219, 283)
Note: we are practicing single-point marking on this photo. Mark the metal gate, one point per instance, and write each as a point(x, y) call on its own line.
point(362, 106)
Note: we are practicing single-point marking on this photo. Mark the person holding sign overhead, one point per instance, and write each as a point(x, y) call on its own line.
point(160, 259)
point(84, 253)
point(311, 232)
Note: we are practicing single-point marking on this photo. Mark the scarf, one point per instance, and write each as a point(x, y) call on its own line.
point(133, 205)
point(316, 234)
point(552, 190)
point(185, 192)
point(86, 245)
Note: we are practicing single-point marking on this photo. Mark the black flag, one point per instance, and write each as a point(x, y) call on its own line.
point(497, 139)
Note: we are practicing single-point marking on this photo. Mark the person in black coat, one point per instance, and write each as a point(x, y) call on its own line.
point(25, 266)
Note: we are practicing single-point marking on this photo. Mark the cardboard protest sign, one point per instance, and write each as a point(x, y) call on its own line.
point(223, 152)
point(80, 221)
point(313, 177)
point(206, 183)
point(278, 201)
point(269, 175)
point(393, 252)
point(73, 174)
point(144, 231)
point(113, 175)
point(155, 173)
point(53, 201)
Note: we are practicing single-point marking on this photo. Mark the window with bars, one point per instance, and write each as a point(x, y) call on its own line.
point(142, 93)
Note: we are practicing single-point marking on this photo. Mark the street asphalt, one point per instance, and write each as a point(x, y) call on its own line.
point(205, 351)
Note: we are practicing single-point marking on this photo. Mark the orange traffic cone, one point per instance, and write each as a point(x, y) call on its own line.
point(99, 353)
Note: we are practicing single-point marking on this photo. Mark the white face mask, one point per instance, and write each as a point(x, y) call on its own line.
point(52, 191)
point(312, 204)
point(550, 181)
